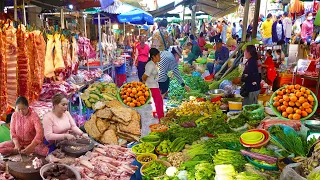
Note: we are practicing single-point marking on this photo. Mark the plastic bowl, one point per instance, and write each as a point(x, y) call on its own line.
point(121, 101)
point(258, 145)
point(151, 155)
point(159, 153)
point(137, 153)
point(235, 106)
point(46, 167)
point(158, 127)
point(155, 143)
point(262, 166)
point(278, 114)
point(252, 137)
point(167, 164)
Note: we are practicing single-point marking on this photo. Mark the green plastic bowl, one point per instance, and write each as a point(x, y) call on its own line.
point(278, 114)
point(137, 153)
point(120, 100)
point(262, 166)
point(155, 143)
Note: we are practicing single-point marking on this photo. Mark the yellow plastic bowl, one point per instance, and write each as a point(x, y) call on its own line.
point(252, 137)
point(152, 156)
point(235, 106)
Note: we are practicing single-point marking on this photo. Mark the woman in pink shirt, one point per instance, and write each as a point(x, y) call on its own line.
point(201, 41)
point(58, 124)
point(26, 132)
point(307, 29)
point(142, 55)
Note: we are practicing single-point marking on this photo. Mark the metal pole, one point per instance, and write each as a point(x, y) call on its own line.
point(245, 20)
point(193, 17)
point(15, 15)
point(62, 19)
point(24, 13)
point(85, 25)
point(124, 30)
point(183, 12)
point(100, 46)
point(255, 19)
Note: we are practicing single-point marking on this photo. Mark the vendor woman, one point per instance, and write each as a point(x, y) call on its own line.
point(26, 132)
point(58, 124)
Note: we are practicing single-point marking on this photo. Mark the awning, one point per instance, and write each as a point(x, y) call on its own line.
point(214, 8)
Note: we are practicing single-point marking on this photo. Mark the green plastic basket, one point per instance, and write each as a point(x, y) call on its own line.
point(262, 166)
point(120, 100)
point(278, 114)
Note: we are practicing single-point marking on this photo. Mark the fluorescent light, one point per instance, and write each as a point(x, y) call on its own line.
point(115, 26)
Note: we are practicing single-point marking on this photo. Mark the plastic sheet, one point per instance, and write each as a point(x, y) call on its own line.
point(291, 172)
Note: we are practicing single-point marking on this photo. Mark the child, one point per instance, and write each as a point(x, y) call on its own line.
point(269, 65)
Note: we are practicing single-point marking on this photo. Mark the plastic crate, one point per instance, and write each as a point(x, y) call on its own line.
point(121, 69)
point(121, 79)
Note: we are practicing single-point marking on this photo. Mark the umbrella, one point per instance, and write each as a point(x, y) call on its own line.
point(136, 16)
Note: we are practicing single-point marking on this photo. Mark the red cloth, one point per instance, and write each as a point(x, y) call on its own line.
point(201, 43)
point(143, 53)
point(271, 71)
point(158, 102)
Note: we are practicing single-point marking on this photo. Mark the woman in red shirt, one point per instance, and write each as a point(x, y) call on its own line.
point(142, 55)
point(269, 65)
point(201, 41)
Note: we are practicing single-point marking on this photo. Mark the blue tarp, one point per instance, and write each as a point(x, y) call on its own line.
point(136, 16)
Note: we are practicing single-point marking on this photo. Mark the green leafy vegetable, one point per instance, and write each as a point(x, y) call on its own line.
point(204, 171)
point(238, 121)
point(154, 169)
point(249, 176)
point(225, 156)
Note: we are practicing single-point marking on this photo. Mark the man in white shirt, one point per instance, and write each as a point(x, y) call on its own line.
point(287, 27)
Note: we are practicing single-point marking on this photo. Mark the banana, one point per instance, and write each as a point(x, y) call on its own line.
point(94, 96)
point(88, 104)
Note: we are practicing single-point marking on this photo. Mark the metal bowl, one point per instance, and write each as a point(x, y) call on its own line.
point(216, 92)
point(312, 124)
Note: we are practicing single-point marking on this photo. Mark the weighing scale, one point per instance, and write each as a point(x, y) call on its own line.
point(314, 128)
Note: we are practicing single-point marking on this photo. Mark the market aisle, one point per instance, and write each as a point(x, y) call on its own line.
point(146, 112)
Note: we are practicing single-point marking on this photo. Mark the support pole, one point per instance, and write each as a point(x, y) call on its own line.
point(245, 20)
point(193, 19)
point(183, 12)
point(15, 15)
point(124, 30)
point(100, 46)
point(62, 19)
point(255, 19)
point(24, 13)
point(85, 25)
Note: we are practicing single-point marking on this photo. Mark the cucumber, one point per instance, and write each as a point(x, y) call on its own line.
point(175, 142)
point(180, 146)
point(151, 138)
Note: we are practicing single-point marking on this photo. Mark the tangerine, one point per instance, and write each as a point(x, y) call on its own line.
point(281, 101)
point(305, 105)
point(309, 110)
point(293, 98)
point(129, 99)
point(310, 98)
point(298, 111)
point(303, 89)
point(298, 94)
point(129, 90)
point(141, 98)
point(304, 114)
point(285, 103)
point(297, 87)
point(138, 104)
point(308, 92)
point(125, 101)
point(290, 116)
point(283, 108)
point(280, 93)
point(289, 110)
point(134, 91)
point(296, 116)
point(132, 105)
point(298, 104)
point(276, 104)
point(285, 114)
point(301, 100)
point(142, 102)
point(291, 103)
point(286, 98)
point(131, 95)
point(279, 108)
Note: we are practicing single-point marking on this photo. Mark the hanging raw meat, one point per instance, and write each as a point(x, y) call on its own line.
point(31, 56)
point(58, 60)
point(66, 56)
point(39, 59)
point(11, 59)
point(3, 75)
point(49, 65)
point(23, 75)
point(74, 55)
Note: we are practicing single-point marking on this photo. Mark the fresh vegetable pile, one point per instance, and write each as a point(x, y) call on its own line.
point(99, 92)
point(232, 75)
point(143, 148)
point(154, 169)
point(226, 156)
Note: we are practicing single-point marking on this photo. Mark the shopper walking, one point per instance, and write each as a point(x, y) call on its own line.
point(266, 30)
point(151, 77)
point(234, 30)
point(224, 31)
point(250, 76)
point(169, 62)
point(277, 32)
point(307, 29)
point(287, 27)
point(142, 55)
point(161, 38)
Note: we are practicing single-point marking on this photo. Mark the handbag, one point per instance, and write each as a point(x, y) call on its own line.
point(164, 42)
point(243, 91)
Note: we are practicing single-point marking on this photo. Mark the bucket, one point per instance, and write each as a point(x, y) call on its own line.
point(235, 106)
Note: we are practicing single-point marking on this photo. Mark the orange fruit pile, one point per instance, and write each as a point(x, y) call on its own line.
point(134, 94)
point(294, 102)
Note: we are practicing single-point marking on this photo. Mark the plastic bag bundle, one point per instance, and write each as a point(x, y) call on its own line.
point(290, 172)
point(254, 112)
